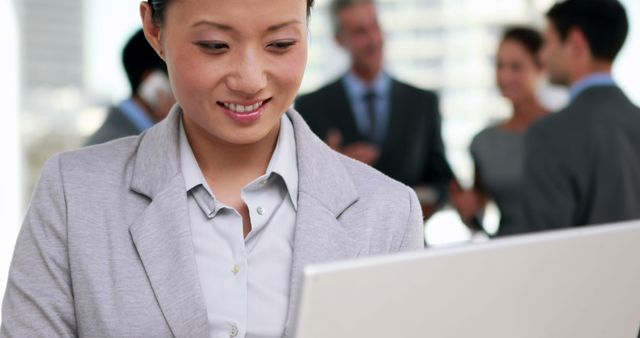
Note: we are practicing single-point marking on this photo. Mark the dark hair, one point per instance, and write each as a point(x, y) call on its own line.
point(529, 38)
point(158, 8)
point(138, 58)
point(603, 23)
point(337, 6)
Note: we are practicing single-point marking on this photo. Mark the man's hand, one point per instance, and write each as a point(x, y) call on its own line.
point(361, 151)
point(465, 201)
point(468, 203)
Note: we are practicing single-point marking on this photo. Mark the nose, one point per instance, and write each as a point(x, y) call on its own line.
point(248, 76)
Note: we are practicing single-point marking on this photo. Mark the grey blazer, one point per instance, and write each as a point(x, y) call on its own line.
point(582, 165)
point(106, 248)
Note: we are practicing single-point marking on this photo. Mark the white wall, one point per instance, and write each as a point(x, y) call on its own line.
point(108, 26)
point(627, 67)
point(10, 178)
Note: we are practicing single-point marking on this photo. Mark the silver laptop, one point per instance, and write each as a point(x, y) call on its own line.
point(582, 282)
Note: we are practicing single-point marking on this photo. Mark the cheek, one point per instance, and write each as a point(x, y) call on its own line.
point(545, 53)
point(500, 72)
point(360, 43)
point(289, 72)
point(191, 78)
point(505, 77)
point(532, 78)
point(520, 77)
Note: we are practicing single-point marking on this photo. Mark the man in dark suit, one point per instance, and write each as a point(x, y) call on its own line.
point(582, 165)
point(374, 118)
point(151, 97)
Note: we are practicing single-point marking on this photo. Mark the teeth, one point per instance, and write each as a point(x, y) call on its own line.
point(241, 109)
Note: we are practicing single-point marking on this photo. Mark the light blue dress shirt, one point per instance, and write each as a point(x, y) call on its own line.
point(593, 80)
point(356, 90)
point(245, 281)
point(136, 114)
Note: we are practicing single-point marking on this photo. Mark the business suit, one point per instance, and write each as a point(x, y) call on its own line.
point(116, 125)
point(413, 151)
point(582, 165)
point(106, 247)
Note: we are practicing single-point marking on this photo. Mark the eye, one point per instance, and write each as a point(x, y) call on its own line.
point(516, 67)
point(212, 47)
point(281, 46)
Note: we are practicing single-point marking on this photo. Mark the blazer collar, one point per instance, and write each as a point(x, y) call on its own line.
point(158, 157)
point(321, 174)
point(162, 234)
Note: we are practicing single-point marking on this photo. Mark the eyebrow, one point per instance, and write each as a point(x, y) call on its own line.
point(283, 25)
point(224, 27)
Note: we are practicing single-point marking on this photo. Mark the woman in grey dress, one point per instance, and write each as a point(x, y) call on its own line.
point(497, 151)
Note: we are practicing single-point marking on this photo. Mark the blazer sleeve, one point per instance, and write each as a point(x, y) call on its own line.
point(38, 301)
point(413, 238)
point(548, 201)
point(437, 173)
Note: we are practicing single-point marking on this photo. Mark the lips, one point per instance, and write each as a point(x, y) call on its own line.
point(238, 108)
point(245, 112)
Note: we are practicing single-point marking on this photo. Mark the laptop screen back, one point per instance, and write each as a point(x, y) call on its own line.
point(582, 282)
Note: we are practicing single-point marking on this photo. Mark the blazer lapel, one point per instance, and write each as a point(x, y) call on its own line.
point(162, 235)
point(325, 192)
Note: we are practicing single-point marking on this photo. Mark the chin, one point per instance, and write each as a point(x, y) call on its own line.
point(241, 139)
point(251, 135)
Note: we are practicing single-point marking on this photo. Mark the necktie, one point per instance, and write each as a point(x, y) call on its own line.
point(369, 100)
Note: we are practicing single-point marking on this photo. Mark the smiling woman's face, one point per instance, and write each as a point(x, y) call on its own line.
point(235, 66)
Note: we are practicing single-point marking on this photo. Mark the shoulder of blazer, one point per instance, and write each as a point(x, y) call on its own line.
point(564, 121)
point(583, 116)
point(370, 182)
point(101, 165)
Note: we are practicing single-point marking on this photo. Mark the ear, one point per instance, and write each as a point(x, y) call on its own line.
point(151, 29)
point(578, 43)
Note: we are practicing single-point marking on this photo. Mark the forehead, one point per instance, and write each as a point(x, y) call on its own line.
point(358, 13)
point(512, 46)
point(237, 14)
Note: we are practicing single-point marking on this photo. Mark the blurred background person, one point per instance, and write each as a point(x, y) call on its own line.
point(498, 151)
point(370, 116)
point(151, 97)
point(582, 165)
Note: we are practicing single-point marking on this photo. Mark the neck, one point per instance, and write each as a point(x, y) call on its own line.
point(525, 112)
point(229, 166)
point(594, 67)
point(368, 75)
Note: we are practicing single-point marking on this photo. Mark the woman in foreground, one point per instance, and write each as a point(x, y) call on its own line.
point(201, 226)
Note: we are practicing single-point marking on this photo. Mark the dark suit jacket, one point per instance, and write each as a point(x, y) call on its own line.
point(116, 125)
point(413, 152)
point(582, 165)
